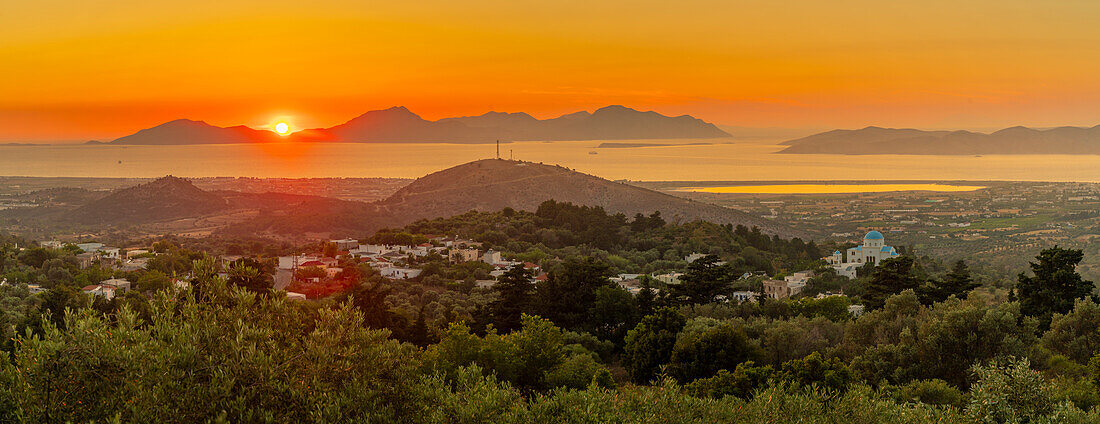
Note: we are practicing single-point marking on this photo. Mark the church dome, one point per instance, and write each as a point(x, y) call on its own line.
point(873, 235)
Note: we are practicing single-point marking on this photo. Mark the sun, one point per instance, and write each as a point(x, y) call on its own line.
point(282, 128)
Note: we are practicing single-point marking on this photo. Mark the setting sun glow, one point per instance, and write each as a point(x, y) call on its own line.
point(282, 128)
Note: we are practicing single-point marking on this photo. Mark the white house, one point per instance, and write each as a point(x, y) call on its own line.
point(120, 283)
point(668, 278)
point(872, 251)
point(110, 253)
point(90, 247)
point(104, 291)
point(345, 244)
point(491, 257)
point(743, 296)
point(799, 277)
point(399, 273)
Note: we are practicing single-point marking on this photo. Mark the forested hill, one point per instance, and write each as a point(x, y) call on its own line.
point(641, 243)
point(162, 199)
point(493, 184)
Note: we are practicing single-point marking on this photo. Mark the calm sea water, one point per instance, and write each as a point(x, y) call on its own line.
point(740, 160)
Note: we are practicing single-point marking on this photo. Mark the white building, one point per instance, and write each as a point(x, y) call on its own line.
point(491, 257)
point(743, 296)
point(873, 251)
point(799, 277)
point(110, 253)
point(345, 244)
point(90, 247)
point(777, 289)
point(104, 291)
point(398, 273)
point(118, 283)
point(669, 277)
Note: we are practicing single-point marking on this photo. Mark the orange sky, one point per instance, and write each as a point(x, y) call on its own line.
point(77, 70)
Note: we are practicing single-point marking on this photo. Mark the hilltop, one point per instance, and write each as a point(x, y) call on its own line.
point(400, 125)
point(1009, 141)
point(493, 184)
point(163, 199)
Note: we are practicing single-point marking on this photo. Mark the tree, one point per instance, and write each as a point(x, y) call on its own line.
point(646, 298)
point(815, 369)
point(568, 297)
point(1055, 285)
point(649, 345)
point(535, 357)
point(742, 382)
point(614, 313)
point(237, 358)
point(418, 333)
point(705, 279)
point(1076, 334)
point(890, 277)
point(151, 281)
point(370, 299)
point(36, 256)
point(515, 291)
point(1010, 392)
point(243, 275)
point(329, 249)
point(701, 354)
point(957, 282)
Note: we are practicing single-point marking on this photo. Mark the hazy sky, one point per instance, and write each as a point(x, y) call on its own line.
point(100, 69)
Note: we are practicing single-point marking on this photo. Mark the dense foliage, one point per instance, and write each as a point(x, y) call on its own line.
point(572, 347)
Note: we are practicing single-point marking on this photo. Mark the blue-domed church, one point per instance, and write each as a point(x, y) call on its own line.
point(873, 250)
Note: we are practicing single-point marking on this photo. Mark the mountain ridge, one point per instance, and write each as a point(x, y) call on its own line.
point(907, 141)
point(400, 125)
point(188, 131)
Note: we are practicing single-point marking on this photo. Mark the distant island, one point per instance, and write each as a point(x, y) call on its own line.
point(399, 125)
point(614, 145)
point(894, 141)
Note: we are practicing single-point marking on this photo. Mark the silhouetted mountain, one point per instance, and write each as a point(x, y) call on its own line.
point(398, 124)
point(163, 199)
point(496, 120)
point(186, 131)
point(1009, 141)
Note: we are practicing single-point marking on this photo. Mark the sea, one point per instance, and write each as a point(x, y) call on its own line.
point(674, 160)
